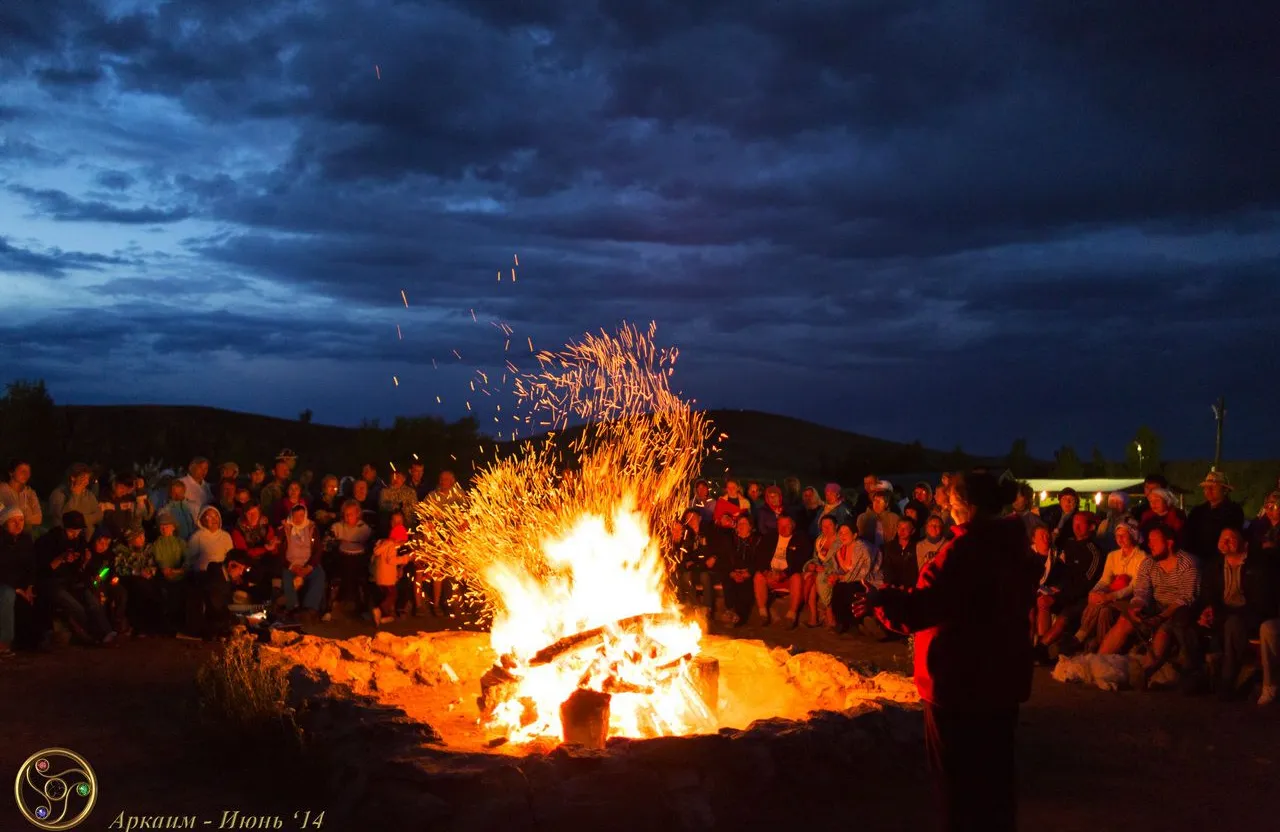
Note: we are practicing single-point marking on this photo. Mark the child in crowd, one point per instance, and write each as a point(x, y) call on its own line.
point(385, 569)
point(134, 570)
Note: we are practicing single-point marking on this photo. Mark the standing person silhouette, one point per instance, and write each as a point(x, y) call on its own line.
point(969, 612)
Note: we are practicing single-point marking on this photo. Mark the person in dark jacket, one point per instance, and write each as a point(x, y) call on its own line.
point(1066, 587)
point(1206, 521)
point(695, 578)
point(782, 557)
point(898, 564)
point(64, 558)
point(1058, 518)
point(1264, 532)
point(221, 582)
point(969, 613)
point(1238, 593)
point(770, 510)
point(17, 582)
point(743, 555)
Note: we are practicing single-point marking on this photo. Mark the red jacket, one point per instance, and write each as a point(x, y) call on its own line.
point(969, 612)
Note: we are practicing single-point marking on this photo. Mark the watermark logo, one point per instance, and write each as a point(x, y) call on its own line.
point(56, 789)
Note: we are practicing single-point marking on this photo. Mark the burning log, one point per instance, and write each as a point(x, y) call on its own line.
point(497, 685)
point(596, 635)
point(584, 718)
point(704, 673)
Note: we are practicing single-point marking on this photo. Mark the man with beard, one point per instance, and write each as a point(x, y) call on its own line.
point(1165, 595)
point(1239, 592)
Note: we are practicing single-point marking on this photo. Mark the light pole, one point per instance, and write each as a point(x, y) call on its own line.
point(1141, 470)
point(1219, 416)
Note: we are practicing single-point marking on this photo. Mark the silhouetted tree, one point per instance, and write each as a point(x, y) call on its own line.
point(30, 427)
point(1097, 466)
point(1068, 465)
point(305, 416)
point(1150, 456)
point(1019, 460)
point(957, 460)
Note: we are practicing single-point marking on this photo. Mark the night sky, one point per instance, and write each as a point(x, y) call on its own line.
point(958, 222)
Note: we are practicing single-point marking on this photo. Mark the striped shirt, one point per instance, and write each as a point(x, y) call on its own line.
point(1179, 588)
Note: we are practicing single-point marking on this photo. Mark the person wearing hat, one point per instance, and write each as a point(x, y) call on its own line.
point(210, 543)
point(17, 576)
point(1115, 586)
point(74, 495)
point(1206, 521)
point(63, 555)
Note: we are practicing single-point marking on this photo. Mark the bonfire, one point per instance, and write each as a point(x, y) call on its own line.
point(558, 545)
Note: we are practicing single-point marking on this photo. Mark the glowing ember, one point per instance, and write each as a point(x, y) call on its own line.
point(566, 559)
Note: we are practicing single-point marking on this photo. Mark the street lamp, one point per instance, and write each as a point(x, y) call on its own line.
point(1140, 468)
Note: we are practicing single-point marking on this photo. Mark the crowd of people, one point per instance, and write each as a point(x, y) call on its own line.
point(124, 559)
point(1199, 590)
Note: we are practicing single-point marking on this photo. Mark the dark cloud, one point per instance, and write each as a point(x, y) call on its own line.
point(52, 263)
point(878, 209)
point(60, 205)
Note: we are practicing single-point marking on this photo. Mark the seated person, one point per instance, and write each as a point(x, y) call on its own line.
point(257, 538)
point(935, 537)
point(1065, 594)
point(1238, 593)
point(222, 579)
point(170, 554)
point(19, 619)
point(855, 566)
point(899, 564)
point(783, 555)
point(742, 557)
point(1165, 595)
point(693, 575)
point(816, 587)
point(1115, 587)
point(303, 577)
point(63, 556)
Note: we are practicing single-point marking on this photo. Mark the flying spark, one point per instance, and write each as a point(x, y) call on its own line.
point(457, 355)
point(399, 334)
point(404, 298)
point(517, 258)
point(473, 314)
point(377, 71)
point(530, 344)
point(396, 380)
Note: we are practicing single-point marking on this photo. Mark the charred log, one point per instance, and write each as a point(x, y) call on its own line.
point(584, 718)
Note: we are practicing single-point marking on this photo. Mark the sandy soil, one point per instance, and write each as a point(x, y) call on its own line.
point(1089, 760)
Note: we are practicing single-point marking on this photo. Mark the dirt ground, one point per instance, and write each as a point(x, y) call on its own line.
point(1089, 760)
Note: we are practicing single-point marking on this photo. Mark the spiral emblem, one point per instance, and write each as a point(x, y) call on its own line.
point(56, 789)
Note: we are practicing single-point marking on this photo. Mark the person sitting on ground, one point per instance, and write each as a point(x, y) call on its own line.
point(1114, 588)
point(770, 511)
point(133, 565)
point(1238, 593)
point(1165, 594)
point(15, 491)
point(222, 581)
point(1162, 511)
point(1066, 588)
point(17, 578)
point(74, 496)
point(63, 554)
point(1059, 517)
point(388, 560)
point(743, 555)
point(899, 562)
point(210, 543)
point(855, 566)
point(351, 536)
point(169, 552)
point(179, 511)
point(833, 506)
point(1264, 532)
point(816, 588)
point(303, 580)
point(1206, 521)
point(928, 546)
point(879, 518)
point(1117, 512)
point(782, 557)
point(731, 502)
point(257, 538)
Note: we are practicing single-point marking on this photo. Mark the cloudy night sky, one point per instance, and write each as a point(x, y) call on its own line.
point(959, 222)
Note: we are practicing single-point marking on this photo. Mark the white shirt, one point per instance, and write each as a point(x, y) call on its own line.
point(199, 494)
point(779, 562)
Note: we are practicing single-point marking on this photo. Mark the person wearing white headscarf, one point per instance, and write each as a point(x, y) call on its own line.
point(1116, 584)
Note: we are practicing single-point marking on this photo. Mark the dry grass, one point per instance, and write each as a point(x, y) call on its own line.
point(242, 699)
